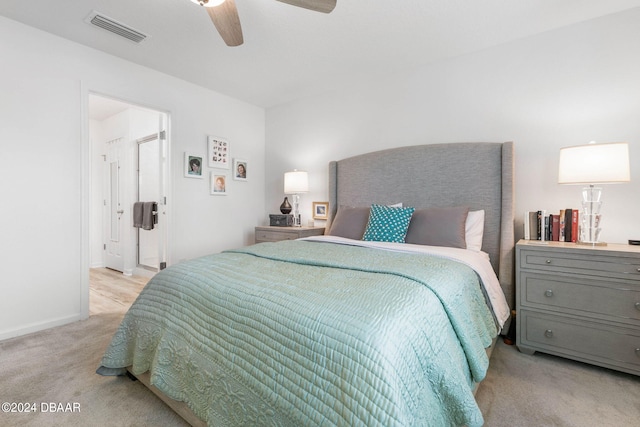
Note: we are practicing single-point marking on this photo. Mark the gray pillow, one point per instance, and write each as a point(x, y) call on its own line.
point(350, 222)
point(438, 227)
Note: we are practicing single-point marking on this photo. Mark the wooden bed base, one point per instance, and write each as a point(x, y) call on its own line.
point(178, 407)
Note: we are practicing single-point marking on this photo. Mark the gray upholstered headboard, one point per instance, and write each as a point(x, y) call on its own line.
point(478, 175)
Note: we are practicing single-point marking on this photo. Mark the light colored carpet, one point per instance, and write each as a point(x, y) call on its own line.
point(544, 390)
point(58, 366)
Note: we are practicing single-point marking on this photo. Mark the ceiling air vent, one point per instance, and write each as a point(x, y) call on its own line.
point(115, 27)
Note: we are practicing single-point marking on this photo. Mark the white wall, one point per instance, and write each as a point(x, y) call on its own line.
point(45, 165)
point(561, 88)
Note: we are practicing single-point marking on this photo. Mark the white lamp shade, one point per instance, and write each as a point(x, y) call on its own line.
point(594, 164)
point(296, 182)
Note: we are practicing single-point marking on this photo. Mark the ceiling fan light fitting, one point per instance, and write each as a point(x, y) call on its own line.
point(208, 3)
point(227, 22)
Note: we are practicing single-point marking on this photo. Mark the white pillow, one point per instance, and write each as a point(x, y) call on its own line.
point(474, 229)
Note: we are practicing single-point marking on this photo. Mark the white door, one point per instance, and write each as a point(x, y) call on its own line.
point(113, 206)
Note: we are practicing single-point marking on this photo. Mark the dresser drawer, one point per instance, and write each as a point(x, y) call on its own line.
point(609, 300)
point(274, 236)
point(578, 263)
point(588, 341)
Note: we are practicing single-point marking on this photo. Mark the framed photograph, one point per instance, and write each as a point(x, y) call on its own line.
point(218, 152)
point(240, 170)
point(320, 210)
point(192, 165)
point(218, 184)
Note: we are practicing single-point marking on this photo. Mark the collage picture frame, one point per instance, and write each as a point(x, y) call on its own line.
point(218, 157)
point(218, 151)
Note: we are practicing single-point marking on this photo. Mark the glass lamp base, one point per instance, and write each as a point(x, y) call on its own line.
point(296, 211)
point(589, 230)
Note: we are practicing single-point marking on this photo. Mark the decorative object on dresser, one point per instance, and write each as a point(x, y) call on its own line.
point(277, 220)
point(593, 164)
point(580, 302)
point(285, 207)
point(276, 234)
point(295, 183)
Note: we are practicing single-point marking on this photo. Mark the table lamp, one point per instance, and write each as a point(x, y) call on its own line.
point(295, 183)
point(593, 164)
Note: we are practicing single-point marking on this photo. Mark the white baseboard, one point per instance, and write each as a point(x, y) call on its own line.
point(40, 326)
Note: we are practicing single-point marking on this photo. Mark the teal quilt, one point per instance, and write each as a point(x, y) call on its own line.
point(301, 333)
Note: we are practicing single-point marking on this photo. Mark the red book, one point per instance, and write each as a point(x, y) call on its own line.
point(555, 227)
point(574, 225)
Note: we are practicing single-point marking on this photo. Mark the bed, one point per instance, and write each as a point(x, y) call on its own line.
point(386, 320)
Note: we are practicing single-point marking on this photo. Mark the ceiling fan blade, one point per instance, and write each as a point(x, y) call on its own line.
point(324, 6)
point(225, 18)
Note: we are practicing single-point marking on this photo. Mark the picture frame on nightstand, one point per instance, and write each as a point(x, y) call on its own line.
point(320, 210)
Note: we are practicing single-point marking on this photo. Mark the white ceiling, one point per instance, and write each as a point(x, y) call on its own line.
point(289, 52)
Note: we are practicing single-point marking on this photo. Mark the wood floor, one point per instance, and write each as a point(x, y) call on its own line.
point(111, 291)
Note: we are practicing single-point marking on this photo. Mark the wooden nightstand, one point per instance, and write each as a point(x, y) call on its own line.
point(580, 302)
point(275, 234)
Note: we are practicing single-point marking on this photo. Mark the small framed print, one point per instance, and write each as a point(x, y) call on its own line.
point(240, 170)
point(218, 184)
point(320, 210)
point(218, 152)
point(192, 165)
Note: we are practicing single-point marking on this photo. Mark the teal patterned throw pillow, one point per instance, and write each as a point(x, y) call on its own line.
point(387, 224)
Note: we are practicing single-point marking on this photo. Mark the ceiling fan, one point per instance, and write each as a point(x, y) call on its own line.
point(225, 17)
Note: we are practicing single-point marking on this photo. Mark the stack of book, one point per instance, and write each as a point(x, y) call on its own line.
point(560, 227)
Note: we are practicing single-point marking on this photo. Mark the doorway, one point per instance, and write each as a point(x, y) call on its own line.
point(129, 164)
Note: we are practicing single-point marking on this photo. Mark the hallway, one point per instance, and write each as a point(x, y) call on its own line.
point(112, 292)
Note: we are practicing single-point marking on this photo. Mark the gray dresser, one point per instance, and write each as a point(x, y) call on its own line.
point(579, 302)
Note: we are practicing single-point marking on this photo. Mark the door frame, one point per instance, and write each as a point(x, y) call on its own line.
point(86, 170)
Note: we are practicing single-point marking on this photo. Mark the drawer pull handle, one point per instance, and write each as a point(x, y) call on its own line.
point(549, 262)
point(638, 306)
point(549, 293)
point(548, 333)
point(638, 352)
